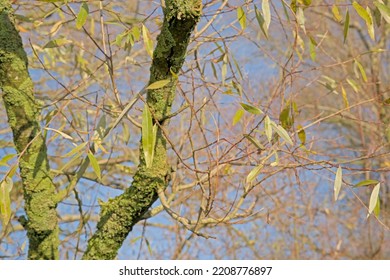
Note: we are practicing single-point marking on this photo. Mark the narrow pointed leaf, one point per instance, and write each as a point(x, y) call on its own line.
point(95, 165)
point(241, 17)
point(366, 183)
point(75, 150)
point(148, 42)
point(251, 109)
point(267, 14)
point(282, 133)
point(82, 15)
point(336, 13)
point(147, 136)
point(159, 84)
point(254, 173)
point(268, 128)
point(237, 116)
point(5, 200)
point(338, 182)
point(301, 135)
point(374, 198)
point(384, 10)
point(345, 97)
point(254, 142)
point(346, 26)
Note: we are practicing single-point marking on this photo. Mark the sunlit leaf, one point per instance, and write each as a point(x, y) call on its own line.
point(362, 71)
point(377, 208)
point(254, 173)
point(268, 128)
point(301, 134)
point(63, 134)
point(312, 48)
point(159, 84)
point(251, 109)
point(267, 14)
point(345, 97)
point(301, 19)
point(374, 198)
point(148, 42)
point(336, 13)
point(56, 43)
point(338, 182)
point(261, 21)
point(353, 84)
point(241, 17)
point(81, 18)
point(6, 158)
point(75, 150)
point(95, 165)
point(366, 183)
point(148, 136)
point(254, 141)
point(384, 10)
point(282, 133)
point(5, 200)
point(346, 26)
point(365, 14)
point(237, 116)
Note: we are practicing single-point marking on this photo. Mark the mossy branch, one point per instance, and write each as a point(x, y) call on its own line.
point(120, 214)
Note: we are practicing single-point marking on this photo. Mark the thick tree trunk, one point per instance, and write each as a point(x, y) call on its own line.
point(23, 113)
point(119, 215)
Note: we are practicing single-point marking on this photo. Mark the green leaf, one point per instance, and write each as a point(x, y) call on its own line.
point(63, 134)
point(282, 133)
point(254, 142)
point(148, 136)
point(5, 200)
point(284, 117)
point(366, 183)
point(301, 19)
point(267, 14)
point(95, 165)
point(312, 49)
point(374, 198)
point(268, 128)
point(237, 116)
point(346, 26)
point(261, 21)
point(362, 71)
point(251, 109)
point(56, 43)
point(75, 150)
point(254, 173)
point(241, 17)
point(345, 97)
point(336, 13)
point(6, 158)
point(338, 182)
point(377, 208)
point(384, 10)
point(301, 134)
point(148, 42)
point(159, 84)
point(365, 14)
point(82, 15)
point(353, 84)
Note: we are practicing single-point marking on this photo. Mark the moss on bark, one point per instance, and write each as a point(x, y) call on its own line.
point(23, 113)
point(119, 215)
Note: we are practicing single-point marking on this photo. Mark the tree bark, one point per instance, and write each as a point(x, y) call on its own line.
point(23, 116)
point(119, 215)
